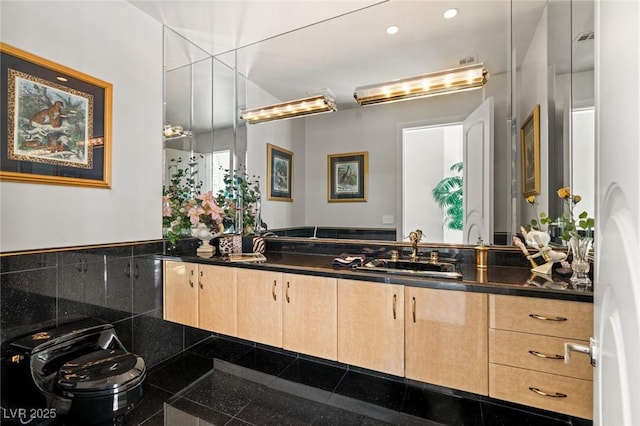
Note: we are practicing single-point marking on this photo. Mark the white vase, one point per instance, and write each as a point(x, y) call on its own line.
point(204, 234)
point(580, 248)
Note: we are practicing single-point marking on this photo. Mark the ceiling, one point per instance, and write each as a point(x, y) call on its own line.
point(294, 48)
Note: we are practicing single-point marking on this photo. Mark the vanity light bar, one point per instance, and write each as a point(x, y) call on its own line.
point(299, 107)
point(437, 83)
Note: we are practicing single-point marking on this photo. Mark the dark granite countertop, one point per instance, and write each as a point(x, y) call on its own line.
point(507, 280)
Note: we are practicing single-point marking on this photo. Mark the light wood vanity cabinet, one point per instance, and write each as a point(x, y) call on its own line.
point(217, 299)
point(526, 347)
point(292, 311)
point(509, 347)
point(371, 325)
point(202, 296)
point(310, 315)
point(260, 306)
point(446, 338)
point(180, 303)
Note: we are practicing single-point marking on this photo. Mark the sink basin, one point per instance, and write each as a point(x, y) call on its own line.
point(413, 267)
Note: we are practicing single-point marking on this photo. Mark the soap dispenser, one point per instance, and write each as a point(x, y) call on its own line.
point(482, 254)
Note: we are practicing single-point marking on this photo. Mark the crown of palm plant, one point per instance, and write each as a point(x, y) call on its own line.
point(448, 194)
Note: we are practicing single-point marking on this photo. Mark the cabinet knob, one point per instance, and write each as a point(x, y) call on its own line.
point(273, 290)
point(287, 293)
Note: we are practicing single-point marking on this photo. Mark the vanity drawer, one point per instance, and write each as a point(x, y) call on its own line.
point(536, 352)
point(546, 391)
point(548, 317)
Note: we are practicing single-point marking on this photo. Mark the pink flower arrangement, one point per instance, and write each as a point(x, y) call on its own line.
point(204, 209)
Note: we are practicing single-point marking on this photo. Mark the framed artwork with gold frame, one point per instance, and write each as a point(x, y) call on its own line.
point(55, 123)
point(530, 153)
point(279, 174)
point(347, 176)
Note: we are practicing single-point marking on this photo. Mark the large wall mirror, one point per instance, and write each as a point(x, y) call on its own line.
point(530, 49)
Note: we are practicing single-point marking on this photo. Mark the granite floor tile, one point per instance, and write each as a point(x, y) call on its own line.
point(501, 415)
point(223, 349)
point(375, 390)
point(272, 407)
point(156, 420)
point(264, 360)
point(321, 376)
point(223, 392)
point(331, 416)
point(180, 372)
point(449, 409)
point(181, 411)
point(150, 406)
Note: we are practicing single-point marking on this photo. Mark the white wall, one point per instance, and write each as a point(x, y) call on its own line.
point(532, 90)
point(423, 167)
point(115, 42)
point(287, 134)
point(427, 156)
point(374, 129)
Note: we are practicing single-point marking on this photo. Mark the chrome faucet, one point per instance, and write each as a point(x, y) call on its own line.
point(414, 238)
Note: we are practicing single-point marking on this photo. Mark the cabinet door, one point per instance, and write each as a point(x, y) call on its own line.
point(217, 301)
point(310, 315)
point(147, 291)
point(260, 306)
point(181, 293)
point(447, 338)
point(371, 325)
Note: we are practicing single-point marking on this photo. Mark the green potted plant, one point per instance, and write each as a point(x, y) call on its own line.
point(240, 201)
point(183, 186)
point(448, 194)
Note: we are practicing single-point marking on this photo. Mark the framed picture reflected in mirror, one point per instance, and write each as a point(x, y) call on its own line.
point(530, 153)
point(347, 176)
point(279, 174)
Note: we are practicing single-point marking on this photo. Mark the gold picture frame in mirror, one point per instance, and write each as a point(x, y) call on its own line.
point(347, 176)
point(530, 153)
point(279, 174)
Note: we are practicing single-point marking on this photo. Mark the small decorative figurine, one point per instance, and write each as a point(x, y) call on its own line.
point(539, 241)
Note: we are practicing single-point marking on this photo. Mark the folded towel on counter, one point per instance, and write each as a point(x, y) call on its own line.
point(349, 261)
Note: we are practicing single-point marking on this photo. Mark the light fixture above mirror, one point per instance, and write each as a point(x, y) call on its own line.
point(437, 83)
point(290, 109)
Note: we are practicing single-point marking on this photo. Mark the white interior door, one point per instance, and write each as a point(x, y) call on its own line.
point(478, 175)
point(617, 273)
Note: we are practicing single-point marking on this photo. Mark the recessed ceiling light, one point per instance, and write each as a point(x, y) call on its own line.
point(450, 13)
point(392, 29)
point(61, 78)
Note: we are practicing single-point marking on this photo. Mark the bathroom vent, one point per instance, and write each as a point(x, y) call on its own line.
point(468, 60)
point(589, 35)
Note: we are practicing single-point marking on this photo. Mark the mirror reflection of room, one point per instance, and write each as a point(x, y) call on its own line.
point(544, 35)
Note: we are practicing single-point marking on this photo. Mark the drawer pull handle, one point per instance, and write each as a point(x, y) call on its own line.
point(394, 306)
point(550, 395)
point(414, 309)
point(190, 279)
point(273, 290)
point(288, 300)
point(541, 355)
point(543, 318)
